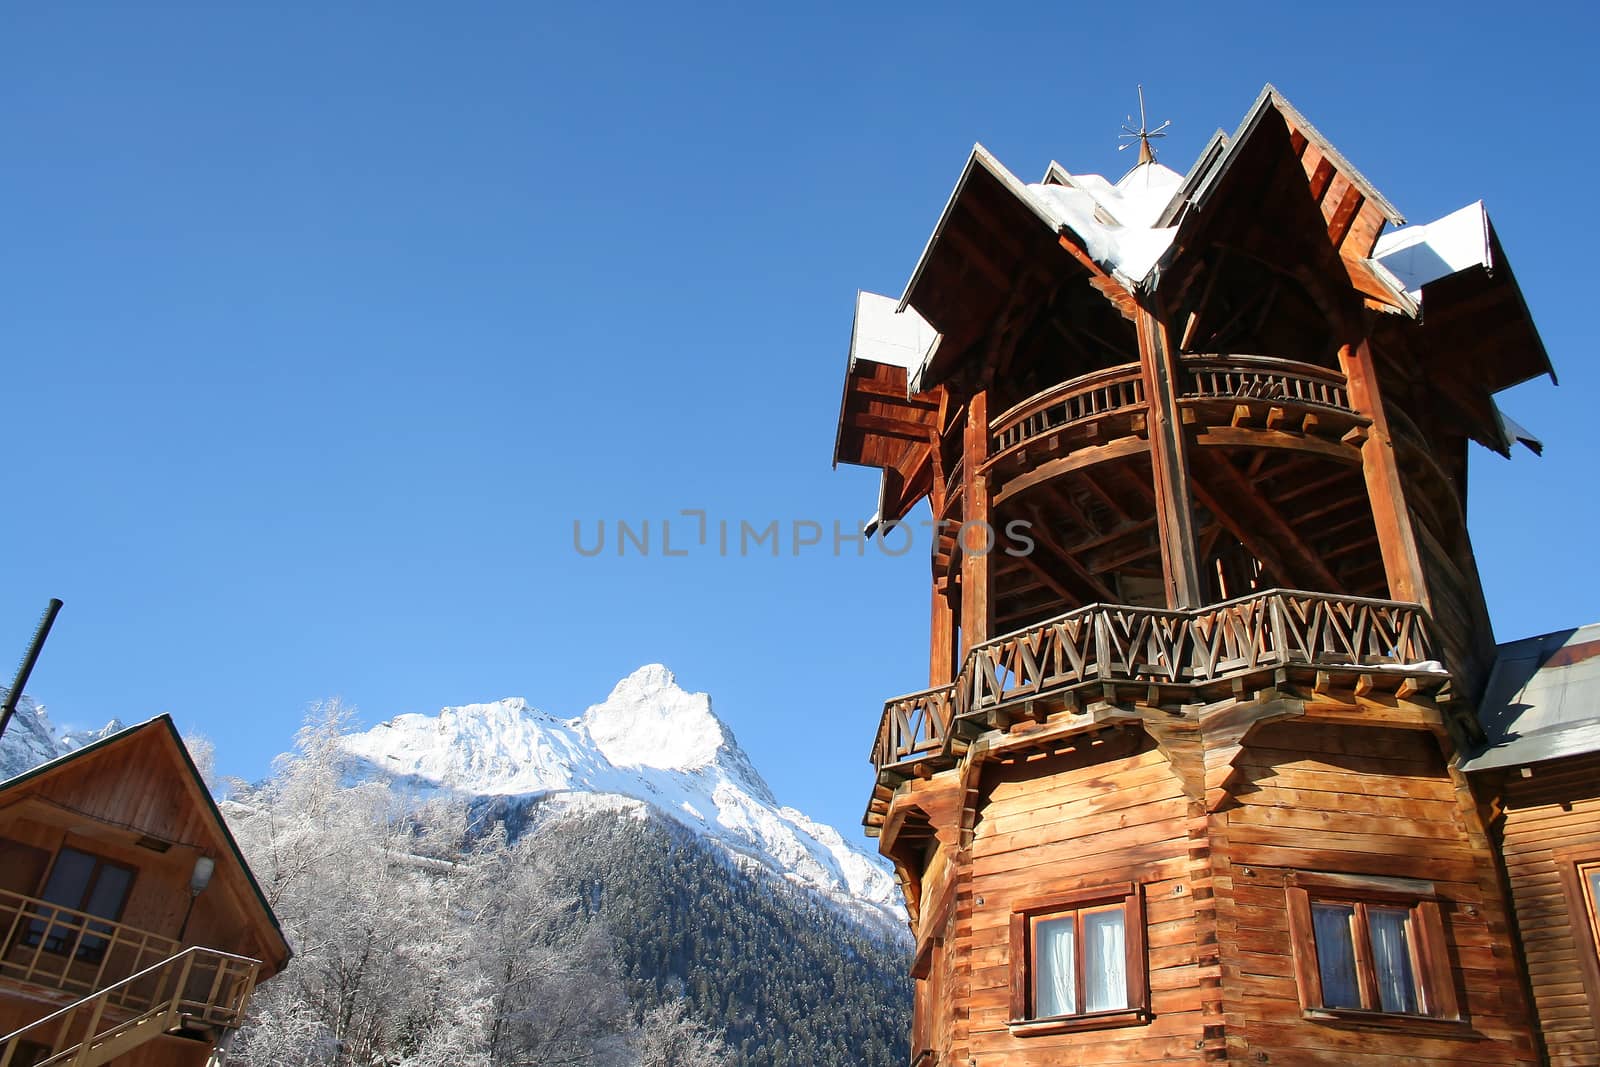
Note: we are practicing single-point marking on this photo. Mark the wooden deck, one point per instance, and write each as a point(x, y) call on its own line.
point(1049, 666)
point(60, 949)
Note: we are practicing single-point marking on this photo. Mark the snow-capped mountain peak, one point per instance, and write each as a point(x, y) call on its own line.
point(32, 739)
point(649, 742)
point(648, 721)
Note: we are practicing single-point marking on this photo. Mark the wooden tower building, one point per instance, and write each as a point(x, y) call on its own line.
point(1207, 637)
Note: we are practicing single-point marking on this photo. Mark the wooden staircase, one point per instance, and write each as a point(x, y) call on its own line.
point(198, 993)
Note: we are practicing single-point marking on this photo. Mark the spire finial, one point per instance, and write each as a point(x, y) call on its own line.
point(1143, 134)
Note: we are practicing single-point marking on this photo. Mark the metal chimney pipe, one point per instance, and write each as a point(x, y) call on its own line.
point(10, 707)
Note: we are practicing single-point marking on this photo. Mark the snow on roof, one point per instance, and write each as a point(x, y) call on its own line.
point(1417, 255)
point(1116, 222)
point(884, 334)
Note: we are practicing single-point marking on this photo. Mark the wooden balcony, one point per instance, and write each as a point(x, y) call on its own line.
point(1047, 667)
point(69, 951)
point(1264, 378)
point(1230, 400)
point(1104, 393)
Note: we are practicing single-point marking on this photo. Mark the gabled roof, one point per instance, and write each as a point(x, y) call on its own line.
point(1542, 701)
point(163, 730)
point(1276, 191)
point(1115, 223)
point(1221, 152)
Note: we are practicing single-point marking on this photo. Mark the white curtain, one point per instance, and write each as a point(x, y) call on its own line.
point(1391, 958)
point(1054, 991)
point(1105, 961)
point(1336, 954)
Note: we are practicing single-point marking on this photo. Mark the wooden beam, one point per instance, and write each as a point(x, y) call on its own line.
point(1235, 503)
point(1101, 540)
point(1344, 215)
point(1111, 502)
point(1041, 533)
point(889, 425)
point(942, 651)
point(1169, 462)
point(1073, 461)
point(1402, 561)
point(977, 613)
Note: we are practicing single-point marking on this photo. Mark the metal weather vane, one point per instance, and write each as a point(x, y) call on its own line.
point(1144, 135)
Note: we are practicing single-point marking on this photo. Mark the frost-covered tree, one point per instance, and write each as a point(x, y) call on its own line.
point(368, 899)
point(555, 996)
point(670, 1037)
point(420, 940)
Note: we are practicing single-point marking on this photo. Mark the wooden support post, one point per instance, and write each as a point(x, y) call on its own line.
point(1397, 541)
point(1168, 460)
point(942, 652)
point(977, 535)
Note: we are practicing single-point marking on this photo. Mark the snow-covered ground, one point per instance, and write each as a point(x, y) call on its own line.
point(650, 741)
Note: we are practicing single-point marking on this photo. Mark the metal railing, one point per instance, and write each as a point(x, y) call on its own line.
point(196, 987)
point(1120, 643)
point(61, 948)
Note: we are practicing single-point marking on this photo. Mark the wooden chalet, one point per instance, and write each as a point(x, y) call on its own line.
point(133, 930)
point(1539, 770)
point(1207, 639)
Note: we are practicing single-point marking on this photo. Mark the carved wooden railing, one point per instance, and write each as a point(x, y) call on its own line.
point(1264, 378)
point(198, 987)
point(1116, 643)
point(1086, 397)
point(915, 725)
point(48, 945)
point(1120, 389)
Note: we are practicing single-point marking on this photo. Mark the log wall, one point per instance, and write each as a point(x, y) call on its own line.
point(1363, 801)
point(1072, 822)
point(1552, 821)
point(1303, 795)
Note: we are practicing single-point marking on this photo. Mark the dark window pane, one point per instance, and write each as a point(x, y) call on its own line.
point(110, 890)
point(69, 878)
point(1391, 958)
point(1336, 954)
point(68, 882)
point(105, 898)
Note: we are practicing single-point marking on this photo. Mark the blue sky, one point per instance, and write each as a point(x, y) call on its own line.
point(323, 323)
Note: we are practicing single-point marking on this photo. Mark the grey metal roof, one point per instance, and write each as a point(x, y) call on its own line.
point(1542, 701)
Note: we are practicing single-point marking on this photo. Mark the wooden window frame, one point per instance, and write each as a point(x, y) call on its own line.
point(1582, 916)
point(1434, 979)
point(82, 953)
point(1024, 916)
